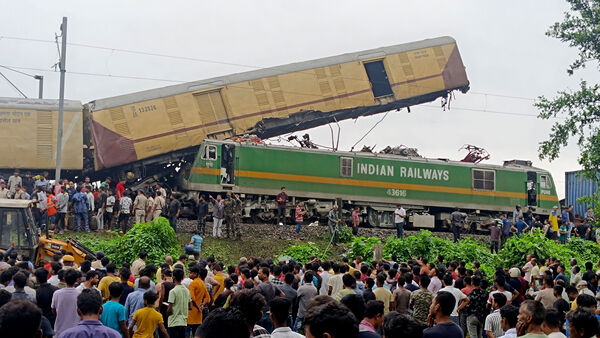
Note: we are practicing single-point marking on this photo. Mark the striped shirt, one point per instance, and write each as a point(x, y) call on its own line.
point(260, 332)
point(299, 215)
point(493, 323)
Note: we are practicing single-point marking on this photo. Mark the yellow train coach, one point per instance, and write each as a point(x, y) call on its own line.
point(273, 101)
point(29, 133)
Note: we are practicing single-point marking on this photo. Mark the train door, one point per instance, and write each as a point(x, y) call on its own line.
point(227, 164)
point(380, 84)
point(531, 188)
point(213, 114)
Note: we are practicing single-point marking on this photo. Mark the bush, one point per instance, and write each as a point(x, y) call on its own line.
point(157, 238)
point(518, 247)
point(344, 235)
point(361, 246)
point(584, 251)
point(303, 253)
point(513, 253)
point(424, 244)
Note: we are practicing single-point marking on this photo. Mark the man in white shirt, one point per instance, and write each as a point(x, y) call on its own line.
point(325, 275)
point(399, 216)
point(493, 321)
point(509, 317)
point(527, 268)
point(500, 282)
point(552, 324)
point(13, 182)
point(435, 284)
point(54, 269)
point(335, 283)
point(279, 314)
point(91, 281)
point(459, 296)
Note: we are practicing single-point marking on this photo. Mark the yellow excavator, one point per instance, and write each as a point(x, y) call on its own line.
point(19, 231)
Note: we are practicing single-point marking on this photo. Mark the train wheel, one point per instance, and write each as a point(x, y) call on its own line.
point(254, 217)
point(472, 229)
point(373, 218)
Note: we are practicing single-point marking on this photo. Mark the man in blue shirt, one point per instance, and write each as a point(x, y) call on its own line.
point(506, 226)
point(561, 274)
point(566, 216)
point(113, 313)
point(196, 244)
point(521, 226)
point(89, 306)
point(81, 206)
point(135, 300)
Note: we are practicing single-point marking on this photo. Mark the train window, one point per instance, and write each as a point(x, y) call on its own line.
point(545, 182)
point(209, 153)
point(484, 179)
point(345, 166)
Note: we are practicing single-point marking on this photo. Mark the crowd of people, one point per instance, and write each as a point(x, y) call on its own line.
point(109, 205)
point(559, 226)
point(193, 297)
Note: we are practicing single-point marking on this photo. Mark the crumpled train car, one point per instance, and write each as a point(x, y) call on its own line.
point(158, 125)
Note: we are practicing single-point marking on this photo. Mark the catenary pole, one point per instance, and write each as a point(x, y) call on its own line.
point(61, 98)
point(40, 78)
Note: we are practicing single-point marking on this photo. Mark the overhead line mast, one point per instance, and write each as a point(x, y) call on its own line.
point(61, 98)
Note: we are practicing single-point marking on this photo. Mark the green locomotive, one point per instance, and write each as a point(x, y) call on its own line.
point(429, 189)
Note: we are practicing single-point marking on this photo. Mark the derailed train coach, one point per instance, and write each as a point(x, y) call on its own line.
point(430, 189)
point(142, 131)
point(29, 135)
point(142, 134)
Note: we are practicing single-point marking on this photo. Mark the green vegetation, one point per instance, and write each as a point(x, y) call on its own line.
point(303, 253)
point(578, 111)
point(344, 235)
point(157, 238)
point(514, 252)
point(361, 246)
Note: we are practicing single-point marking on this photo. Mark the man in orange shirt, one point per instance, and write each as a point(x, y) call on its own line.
point(51, 203)
point(199, 295)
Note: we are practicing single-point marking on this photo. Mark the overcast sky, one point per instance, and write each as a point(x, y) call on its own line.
point(508, 59)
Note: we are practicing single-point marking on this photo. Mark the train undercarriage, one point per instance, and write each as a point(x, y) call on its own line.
point(263, 209)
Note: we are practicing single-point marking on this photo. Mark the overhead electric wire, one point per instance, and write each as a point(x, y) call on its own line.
point(200, 60)
point(13, 68)
point(133, 52)
point(17, 71)
point(481, 110)
point(12, 84)
point(367, 133)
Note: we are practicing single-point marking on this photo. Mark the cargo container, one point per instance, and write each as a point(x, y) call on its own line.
point(576, 186)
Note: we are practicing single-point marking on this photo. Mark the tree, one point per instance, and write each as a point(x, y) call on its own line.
point(580, 108)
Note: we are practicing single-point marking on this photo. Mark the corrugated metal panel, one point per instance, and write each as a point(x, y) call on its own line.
point(577, 186)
